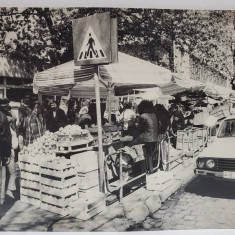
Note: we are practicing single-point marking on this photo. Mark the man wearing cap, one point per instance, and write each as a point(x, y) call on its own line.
point(56, 118)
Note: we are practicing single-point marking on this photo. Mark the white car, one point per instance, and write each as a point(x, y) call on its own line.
point(218, 159)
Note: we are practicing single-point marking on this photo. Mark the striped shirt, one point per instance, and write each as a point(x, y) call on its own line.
point(33, 129)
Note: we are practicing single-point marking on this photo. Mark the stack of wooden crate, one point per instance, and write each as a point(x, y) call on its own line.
point(187, 139)
point(87, 171)
point(30, 180)
point(59, 185)
point(202, 135)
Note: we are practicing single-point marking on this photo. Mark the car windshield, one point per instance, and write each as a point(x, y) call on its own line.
point(227, 129)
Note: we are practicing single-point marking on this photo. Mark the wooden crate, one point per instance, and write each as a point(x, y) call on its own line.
point(59, 185)
point(30, 180)
point(55, 209)
point(88, 180)
point(35, 193)
point(30, 200)
point(75, 146)
point(89, 191)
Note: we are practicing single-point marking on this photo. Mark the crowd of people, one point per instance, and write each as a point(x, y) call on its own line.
point(146, 124)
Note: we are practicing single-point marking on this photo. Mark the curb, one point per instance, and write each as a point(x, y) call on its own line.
point(141, 201)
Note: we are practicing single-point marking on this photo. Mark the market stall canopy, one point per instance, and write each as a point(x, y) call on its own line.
point(134, 72)
point(129, 73)
point(62, 78)
point(217, 91)
point(154, 93)
point(179, 84)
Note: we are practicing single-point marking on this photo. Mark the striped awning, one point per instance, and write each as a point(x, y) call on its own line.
point(86, 89)
point(130, 72)
point(178, 85)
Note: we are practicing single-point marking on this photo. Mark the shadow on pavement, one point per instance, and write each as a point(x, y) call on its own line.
point(6, 206)
point(217, 188)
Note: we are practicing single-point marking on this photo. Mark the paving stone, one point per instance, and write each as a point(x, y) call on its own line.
point(189, 217)
point(157, 215)
point(138, 214)
point(157, 224)
point(164, 226)
point(166, 193)
point(202, 225)
point(153, 203)
point(149, 220)
point(178, 227)
point(178, 217)
point(168, 215)
point(115, 210)
point(188, 222)
point(146, 226)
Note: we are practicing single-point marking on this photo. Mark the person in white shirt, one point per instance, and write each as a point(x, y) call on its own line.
point(127, 119)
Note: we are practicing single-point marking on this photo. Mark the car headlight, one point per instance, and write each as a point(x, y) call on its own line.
point(210, 163)
point(200, 163)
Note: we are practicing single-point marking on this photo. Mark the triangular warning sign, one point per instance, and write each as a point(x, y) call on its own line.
point(91, 48)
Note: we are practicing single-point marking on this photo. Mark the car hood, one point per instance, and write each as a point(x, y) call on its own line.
point(220, 148)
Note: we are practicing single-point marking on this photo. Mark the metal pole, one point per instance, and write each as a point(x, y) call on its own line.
point(99, 127)
point(121, 179)
point(40, 97)
point(109, 102)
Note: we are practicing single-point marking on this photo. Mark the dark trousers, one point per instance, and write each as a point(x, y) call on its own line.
point(150, 152)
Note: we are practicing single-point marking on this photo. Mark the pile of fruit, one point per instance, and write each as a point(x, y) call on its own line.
point(72, 133)
point(43, 146)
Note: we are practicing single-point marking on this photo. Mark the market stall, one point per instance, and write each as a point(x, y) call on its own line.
point(125, 75)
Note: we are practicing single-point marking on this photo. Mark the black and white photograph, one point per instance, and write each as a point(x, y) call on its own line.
point(117, 118)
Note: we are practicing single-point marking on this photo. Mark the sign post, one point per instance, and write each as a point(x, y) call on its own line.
point(99, 128)
point(93, 45)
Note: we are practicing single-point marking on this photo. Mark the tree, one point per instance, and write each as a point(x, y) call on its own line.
point(45, 35)
point(208, 35)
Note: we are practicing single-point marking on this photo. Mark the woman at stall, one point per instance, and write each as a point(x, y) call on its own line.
point(147, 133)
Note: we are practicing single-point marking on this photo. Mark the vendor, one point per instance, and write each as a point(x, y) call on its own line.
point(147, 132)
point(127, 119)
point(56, 118)
point(83, 119)
point(178, 122)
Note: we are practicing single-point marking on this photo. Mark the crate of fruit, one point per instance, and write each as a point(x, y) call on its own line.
point(71, 133)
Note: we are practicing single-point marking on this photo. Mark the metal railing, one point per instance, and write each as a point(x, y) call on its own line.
point(163, 156)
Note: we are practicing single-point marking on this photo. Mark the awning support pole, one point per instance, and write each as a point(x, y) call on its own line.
point(99, 127)
point(109, 102)
point(40, 97)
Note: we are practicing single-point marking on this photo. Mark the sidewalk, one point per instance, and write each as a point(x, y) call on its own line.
point(117, 217)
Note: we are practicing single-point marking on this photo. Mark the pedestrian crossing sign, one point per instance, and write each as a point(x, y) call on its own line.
point(91, 39)
point(91, 48)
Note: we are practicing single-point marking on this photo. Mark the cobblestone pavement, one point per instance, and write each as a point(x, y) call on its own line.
point(195, 210)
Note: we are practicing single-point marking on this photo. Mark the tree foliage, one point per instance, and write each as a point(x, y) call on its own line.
point(45, 35)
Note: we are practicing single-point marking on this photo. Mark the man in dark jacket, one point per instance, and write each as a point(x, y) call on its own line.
point(5, 133)
point(56, 118)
